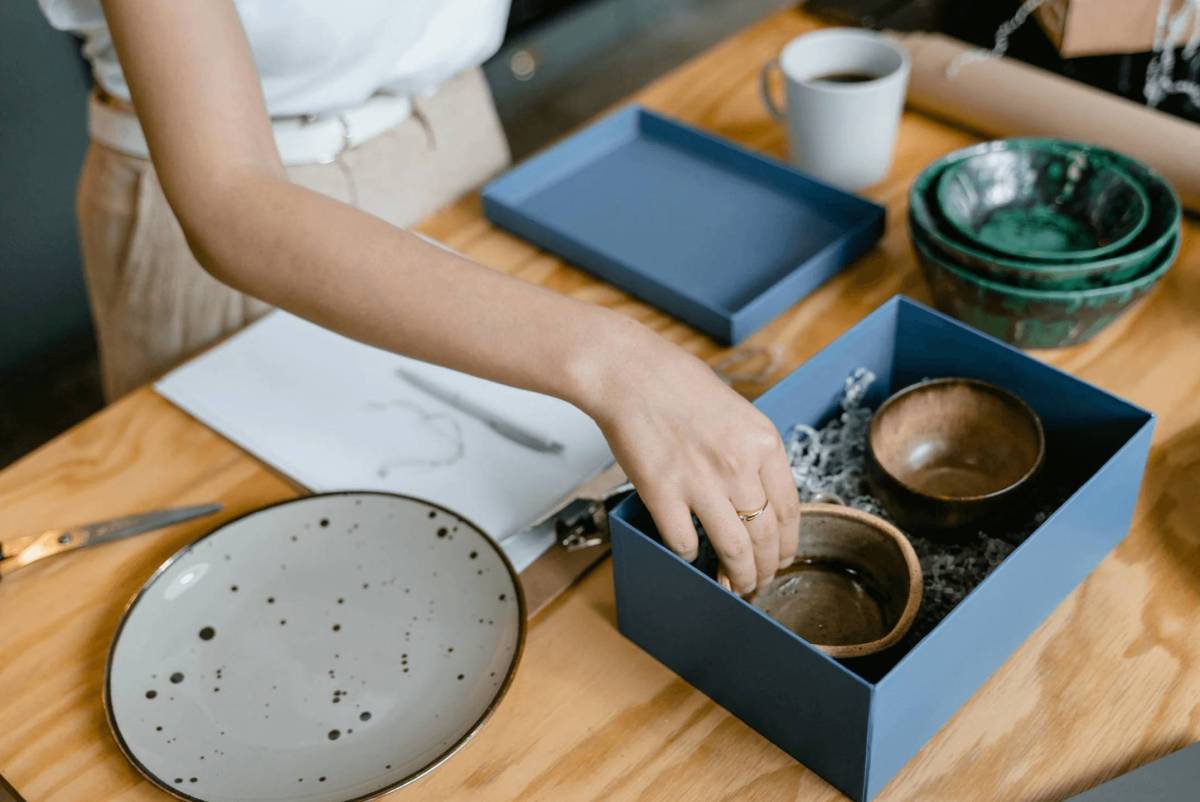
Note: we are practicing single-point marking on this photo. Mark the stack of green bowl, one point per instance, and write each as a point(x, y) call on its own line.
point(1042, 242)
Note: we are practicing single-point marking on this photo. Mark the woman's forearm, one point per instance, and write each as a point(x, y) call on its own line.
point(360, 276)
point(690, 444)
point(193, 81)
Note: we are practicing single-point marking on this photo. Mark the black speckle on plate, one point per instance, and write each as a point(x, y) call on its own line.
point(233, 588)
point(177, 677)
point(460, 676)
point(337, 627)
point(270, 600)
point(207, 633)
point(150, 694)
point(158, 728)
point(442, 532)
point(324, 522)
point(335, 734)
point(364, 716)
point(433, 513)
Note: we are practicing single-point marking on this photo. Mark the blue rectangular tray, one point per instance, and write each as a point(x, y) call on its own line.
point(719, 236)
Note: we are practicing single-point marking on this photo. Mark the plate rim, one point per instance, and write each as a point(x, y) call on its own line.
point(502, 691)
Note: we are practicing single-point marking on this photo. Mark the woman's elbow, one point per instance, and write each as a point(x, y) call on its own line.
point(212, 215)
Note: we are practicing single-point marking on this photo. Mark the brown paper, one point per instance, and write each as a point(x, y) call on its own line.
point(1100, 27)
point(1003, 97)
point(550, 575)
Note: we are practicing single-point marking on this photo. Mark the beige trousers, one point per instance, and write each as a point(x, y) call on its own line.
point(153, 305)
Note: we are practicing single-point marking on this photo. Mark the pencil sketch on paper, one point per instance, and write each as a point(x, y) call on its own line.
point(335, 414)
point(433, 439)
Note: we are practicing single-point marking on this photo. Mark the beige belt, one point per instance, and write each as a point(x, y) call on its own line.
point(312, 139)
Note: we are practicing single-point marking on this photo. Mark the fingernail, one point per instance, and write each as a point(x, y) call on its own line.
point(767, 581)
point(746, 590)
point(787, 563)
point(690, 556)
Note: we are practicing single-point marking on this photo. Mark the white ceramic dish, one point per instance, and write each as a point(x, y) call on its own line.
point(327, 649)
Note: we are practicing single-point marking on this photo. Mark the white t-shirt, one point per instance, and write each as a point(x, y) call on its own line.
point(318, 56)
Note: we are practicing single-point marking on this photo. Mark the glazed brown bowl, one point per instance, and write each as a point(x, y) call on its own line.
point(944, 453)
point(855, 586)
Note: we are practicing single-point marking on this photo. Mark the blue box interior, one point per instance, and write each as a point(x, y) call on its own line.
point(857, 722)
point(717, 235)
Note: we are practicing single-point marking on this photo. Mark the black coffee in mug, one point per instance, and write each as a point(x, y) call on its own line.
point(846, 77)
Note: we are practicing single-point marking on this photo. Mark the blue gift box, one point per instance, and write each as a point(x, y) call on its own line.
point(856, 727)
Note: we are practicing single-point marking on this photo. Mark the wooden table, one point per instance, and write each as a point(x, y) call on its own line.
point(1107, 683)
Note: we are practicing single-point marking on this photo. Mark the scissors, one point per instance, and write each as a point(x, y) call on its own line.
point(19, 552)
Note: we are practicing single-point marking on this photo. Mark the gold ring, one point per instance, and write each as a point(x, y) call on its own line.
point(747, 517)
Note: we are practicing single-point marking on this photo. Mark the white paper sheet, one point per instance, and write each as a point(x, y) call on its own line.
point(335, 415)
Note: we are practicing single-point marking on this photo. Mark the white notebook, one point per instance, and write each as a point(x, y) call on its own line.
point(335, 414)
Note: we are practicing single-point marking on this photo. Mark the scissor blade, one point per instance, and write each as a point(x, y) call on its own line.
point(120, 528)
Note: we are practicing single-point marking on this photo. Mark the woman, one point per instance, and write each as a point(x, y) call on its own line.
point(276, 152)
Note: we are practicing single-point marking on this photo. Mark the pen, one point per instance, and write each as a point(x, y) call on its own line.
point(508, 429)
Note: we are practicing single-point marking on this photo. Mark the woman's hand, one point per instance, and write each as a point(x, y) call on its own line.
point(690, 444)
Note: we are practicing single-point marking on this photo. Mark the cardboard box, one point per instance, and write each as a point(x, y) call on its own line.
point(1101, 27)
point(853, 729)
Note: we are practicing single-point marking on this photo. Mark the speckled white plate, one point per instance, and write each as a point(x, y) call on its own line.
point(330, 648)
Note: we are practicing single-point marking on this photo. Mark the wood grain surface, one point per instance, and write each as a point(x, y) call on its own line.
point(1109, 682)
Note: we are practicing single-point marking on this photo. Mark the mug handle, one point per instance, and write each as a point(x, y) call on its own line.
point(764, 89)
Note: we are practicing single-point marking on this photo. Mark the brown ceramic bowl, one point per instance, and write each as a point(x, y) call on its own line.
point(855, 586)
point(946, 452)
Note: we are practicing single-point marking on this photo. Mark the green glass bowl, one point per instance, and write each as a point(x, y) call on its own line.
point(1031, 318)
point(1050, 203)
point(1165, 215)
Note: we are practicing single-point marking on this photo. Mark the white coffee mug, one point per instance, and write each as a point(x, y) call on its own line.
point(845, 92)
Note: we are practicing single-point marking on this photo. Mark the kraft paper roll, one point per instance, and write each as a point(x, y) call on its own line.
point(1004, 97)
